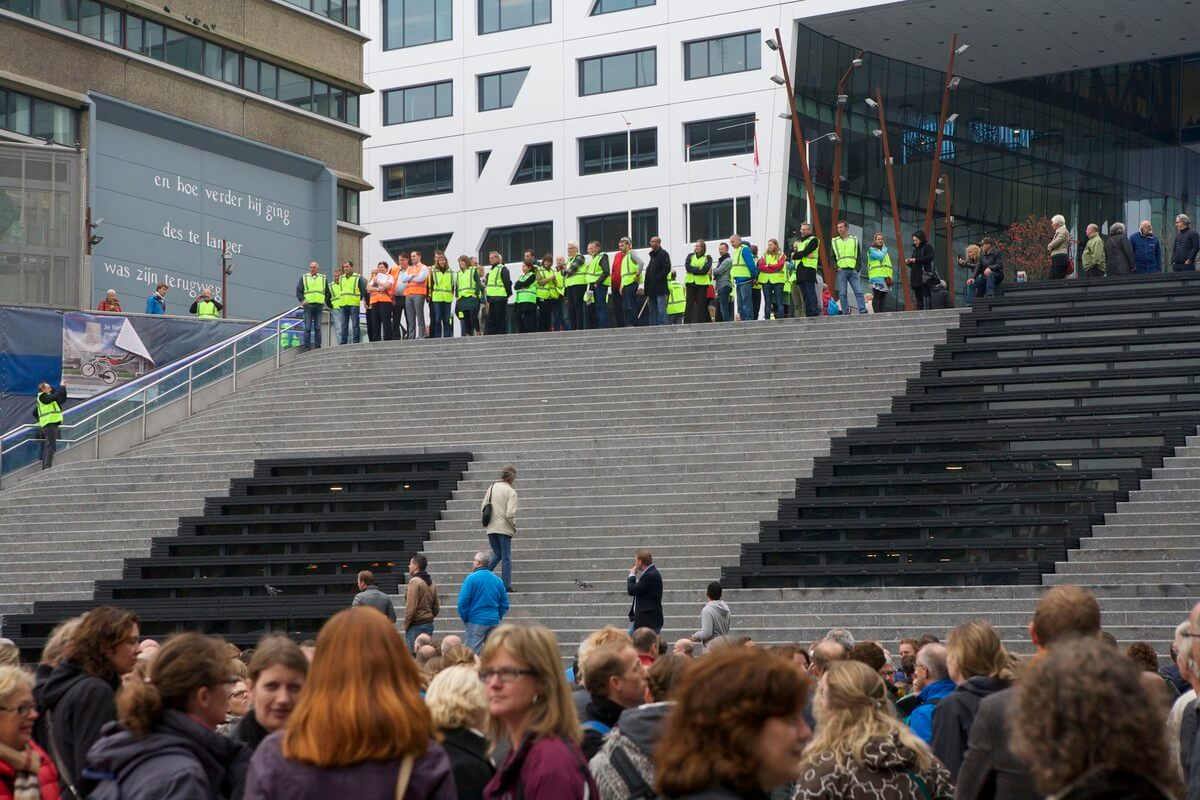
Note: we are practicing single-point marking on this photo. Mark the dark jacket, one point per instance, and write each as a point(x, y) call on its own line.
point(720, 793)
point(79, 704)
point(1171, 673)
point(939, 296)
point(635, 735)
point(646, 610)
point(248, 731)
point(373, 597)
point(273, 776)
point(921, 270)
point(1147, 253)
point(1187, 244)
point(994, 260)
point(59, 396)
point(180, 759)
point(469, 761)
point(605, 712)
point(989, 769)
point(658, 267)
point(953, 716)
point(195, 305)
point(805, 275)
point(1110, 784)
point(1118, 252)
point(549, 768)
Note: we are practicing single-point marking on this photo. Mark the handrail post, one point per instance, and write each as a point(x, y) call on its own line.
point(189, 383)
point(1, 460)
point(145, 402)
point(235, 344)
point(96, 434)
point(278, 345)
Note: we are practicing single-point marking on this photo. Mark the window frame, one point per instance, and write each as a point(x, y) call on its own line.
point(747, 36)
point(581, 68)
point(479, 16)
point(634, 161)
point(386, 183)
point(387, 38)
point(403, 90)
point(528, 153)
point(515, 230)
point(499, 76)
point(743, 121)
point(622, 217)
point(709, 206)
point(597, 11)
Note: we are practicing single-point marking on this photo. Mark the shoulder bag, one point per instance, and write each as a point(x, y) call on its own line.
point(486, 517)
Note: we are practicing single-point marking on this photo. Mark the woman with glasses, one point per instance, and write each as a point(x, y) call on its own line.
point(167, 744)
point(531, 706)
point(26, 771)
point(360, 729)
point(276, 673)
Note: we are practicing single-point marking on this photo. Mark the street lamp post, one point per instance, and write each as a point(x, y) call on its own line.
point(833, 137)
point(888, 167)
point(629, 177)
point(842, 100)
point(935, 172)
point(687, 157)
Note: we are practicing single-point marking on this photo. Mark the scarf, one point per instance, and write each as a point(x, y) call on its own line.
point(25, 764)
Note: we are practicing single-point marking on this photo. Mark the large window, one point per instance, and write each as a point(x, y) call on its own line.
point(425, 245)
point(723, 55)
point(608, 6)
point(41, 119)
point(537, 164)
point(418, 178)
point(343, 11)
point(714, 138)
point(185, 50)
point(348, 205)
point(408, 23)
point(500, 89)
point(607, 153)
point(507, 15)
point(415, 103)
point(715, 220)
point(512, 241)
point(619, 71)
point(607, 229)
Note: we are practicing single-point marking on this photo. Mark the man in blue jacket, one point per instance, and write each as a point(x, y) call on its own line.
point(935, 682)
point(1147, 250)
point(744, 271)
point(482, 602)
point(157, 302)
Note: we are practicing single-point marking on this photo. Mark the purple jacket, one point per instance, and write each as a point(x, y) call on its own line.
point(273, 776)
point(550, 768)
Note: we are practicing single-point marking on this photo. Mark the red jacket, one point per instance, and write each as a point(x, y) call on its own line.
point(47, 777)
point(109, 305)
point(548, 768)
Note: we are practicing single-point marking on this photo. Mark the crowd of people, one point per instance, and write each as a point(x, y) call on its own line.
point(359, 713)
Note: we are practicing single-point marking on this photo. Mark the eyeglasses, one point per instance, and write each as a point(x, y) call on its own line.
point(1189, 635)
point(23, 710)
point(506, 674)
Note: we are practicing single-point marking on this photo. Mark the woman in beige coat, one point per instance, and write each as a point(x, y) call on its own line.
point(503, 525)
point(1059, 247)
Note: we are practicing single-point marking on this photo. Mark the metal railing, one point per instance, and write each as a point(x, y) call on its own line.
point(131, 403)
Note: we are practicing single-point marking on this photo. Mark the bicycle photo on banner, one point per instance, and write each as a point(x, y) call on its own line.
point(100, 352)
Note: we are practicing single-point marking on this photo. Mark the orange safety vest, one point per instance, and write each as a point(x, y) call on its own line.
point(378, 297)
point(412, 287)
point(394, 271)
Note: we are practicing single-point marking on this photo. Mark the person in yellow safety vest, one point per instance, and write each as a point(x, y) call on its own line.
point(790, 295)
point(558, 310)
point(441, 296)
point(627, 265)
point(48, 410)
point(467, 290)
point(525, 288)
point(879, 273)
point(598, 278)
point(676, 300)
point(348, 291)
point(575, 280)
point(497, 287)
point(807, 262)
point(771, 276)
point(698, 278)
point(756, 292)
point(313, 294)
point(545, 292)
point(744, 268)
point(847, 255)
point(205, 307)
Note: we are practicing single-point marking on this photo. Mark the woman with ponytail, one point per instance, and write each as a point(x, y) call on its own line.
point(979, 666)
point(165, 742)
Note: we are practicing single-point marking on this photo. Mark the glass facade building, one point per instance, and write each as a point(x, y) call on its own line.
point(1049, 146)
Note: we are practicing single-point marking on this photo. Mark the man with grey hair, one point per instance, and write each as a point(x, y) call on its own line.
point(575, 280)
point(1187, 245)
point(843, 637)
point(934, 676)
point(1118, 252)
point(1147, 250)
point(1093, 253)
point(482, 602)
point(450, 641)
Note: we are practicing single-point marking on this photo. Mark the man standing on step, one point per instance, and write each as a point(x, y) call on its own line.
point(502, 526)
point(312, 292)
point(370, 595)
point(599, 280)
point(714, 617)
point(48, 410)
point(497, 287)
point(575, 278)
point(421, 605)
point(645, 586)
point(847, 253)
point(415, 283)
point(658, 272)
point(482, 602)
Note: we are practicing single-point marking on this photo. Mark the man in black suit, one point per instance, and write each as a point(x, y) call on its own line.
point(645, 587)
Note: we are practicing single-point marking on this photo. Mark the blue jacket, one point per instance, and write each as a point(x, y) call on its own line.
point(155, 304)
point(921, 719)
point(750, 261)
point(1147, 252)
point(482, 599)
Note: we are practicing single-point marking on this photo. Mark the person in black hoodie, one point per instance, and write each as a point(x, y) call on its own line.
point(658, 267)
point(978, 664)
point(615, 681)
point(458, 705)
point(276, 674)
point(165, 742)
point(79, 697)
point(921, 274)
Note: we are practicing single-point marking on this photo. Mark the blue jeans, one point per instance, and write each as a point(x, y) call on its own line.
point(773, 300)
point(725, 304)
point(656, 310)
point(629, 300)
point(345, 319)
point(849, 278)
point(476, 635)
point(501, 554)
point(439, 321)
point(745, 300)
point(601, 295)
point(412, 633)
point(312, 325)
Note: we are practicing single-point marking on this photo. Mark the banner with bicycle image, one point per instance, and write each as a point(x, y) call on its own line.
point(100, 351)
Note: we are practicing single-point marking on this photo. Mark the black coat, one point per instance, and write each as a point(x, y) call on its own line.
point(953, 716)
point(78, 705)
point(1187, 244)
point(605, 712)
point(469, 761)
point(989, 769)
point(249, 732)
point(646, 610)
point(1118, 254)
point(658, 267)
point(921, 269)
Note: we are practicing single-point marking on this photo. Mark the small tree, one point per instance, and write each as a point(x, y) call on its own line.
point(1024, 246)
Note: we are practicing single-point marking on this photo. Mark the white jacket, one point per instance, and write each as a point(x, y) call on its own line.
point(504, 508)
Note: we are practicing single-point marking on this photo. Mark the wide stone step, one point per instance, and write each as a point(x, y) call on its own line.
point(1132, 578)
point(1119, 567)
point(1173, 555)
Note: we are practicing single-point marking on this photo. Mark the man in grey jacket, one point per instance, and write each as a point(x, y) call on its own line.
point(714, 617)
point(370, 595)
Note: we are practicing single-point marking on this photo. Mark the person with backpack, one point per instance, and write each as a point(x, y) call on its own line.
point(932, 671)
point(615, 680)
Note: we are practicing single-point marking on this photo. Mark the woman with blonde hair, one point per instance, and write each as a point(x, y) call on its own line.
point(26, 771)
point(861, 751)
point(978, 665)
point(360, 728)
point(530, 703)
point(458, 705)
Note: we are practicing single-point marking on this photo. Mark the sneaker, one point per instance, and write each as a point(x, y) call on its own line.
point(510, 589)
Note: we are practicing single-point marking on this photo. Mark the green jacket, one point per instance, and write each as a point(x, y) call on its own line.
point(1093, 254)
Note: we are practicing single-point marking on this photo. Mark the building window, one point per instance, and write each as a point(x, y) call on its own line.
point(343, 11)
point(609, 6)
point(418, 178)
point(723, 55)
point(41, 119)
point(512, 241)
point(537, 164)
point(415, 103)
point(607, 153)
point(408, 23)
point(500, 89)
point(714, 138)
point(715, 220)
point(619, 71)
point(348, 205)
point(481, 159)
point(607, 229)
point(425, 245)
point(507, 15)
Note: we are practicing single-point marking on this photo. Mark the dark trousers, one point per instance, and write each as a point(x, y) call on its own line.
point(756, 300)
point(497, 316)
point(526, 317)
point(725, 304)
point(616, 309)
point(878, 301)
point(379, 322)
point(1058, 266)
point(575, 307)
point(468, 318)
point(312, 325)
point(696, 297)
point(600, 307)
point(921, 295)
point(49, 444)
point(633, 305)
point(439, 321)
point(543, 315)
point(808, 292)
point(1184, 267)
point(398, 331)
